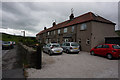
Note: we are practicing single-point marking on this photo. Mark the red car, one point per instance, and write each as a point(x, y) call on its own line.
point(108, 50)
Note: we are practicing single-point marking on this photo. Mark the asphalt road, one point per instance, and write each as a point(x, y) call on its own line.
point(9, 62)
point(82, 65)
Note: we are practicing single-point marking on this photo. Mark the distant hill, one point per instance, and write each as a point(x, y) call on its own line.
point(16, 38)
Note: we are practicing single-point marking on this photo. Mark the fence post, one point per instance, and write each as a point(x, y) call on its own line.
point(39, 57)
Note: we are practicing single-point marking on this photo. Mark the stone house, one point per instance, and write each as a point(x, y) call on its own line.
point(88, 30)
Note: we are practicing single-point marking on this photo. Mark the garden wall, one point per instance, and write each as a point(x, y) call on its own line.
point(27, 55)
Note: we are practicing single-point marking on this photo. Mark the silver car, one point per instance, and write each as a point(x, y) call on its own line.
point(52, 48)
point(70, 47)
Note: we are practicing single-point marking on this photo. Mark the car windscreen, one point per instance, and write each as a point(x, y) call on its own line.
point(116, 46)
point(55, 45)
point(74, 44)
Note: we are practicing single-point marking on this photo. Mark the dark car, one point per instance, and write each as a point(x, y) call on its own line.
point(108, 50)
point(7, 45)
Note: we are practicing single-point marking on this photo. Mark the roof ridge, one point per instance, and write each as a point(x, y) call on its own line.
point(76, 17)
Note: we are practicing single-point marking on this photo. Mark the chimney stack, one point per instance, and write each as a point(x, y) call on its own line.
point(54, 24)
point(45, 28)
point(71, 17)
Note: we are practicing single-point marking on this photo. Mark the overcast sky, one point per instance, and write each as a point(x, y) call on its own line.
point(34, 16)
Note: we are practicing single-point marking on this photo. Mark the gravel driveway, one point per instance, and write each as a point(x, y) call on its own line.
point(81, 65)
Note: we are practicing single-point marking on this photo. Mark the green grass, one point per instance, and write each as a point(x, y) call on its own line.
point(7, 37)
point(26, 40)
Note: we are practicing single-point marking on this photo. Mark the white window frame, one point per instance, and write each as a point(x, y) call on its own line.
point(65, 30)
point(73, 28)
point(58, 31)
point(48, 33)
point(83, 26)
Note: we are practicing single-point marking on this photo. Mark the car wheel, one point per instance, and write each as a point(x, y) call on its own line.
point(50, 53)
point(43, 51)
point(92, 53)
point(109, 56)
point(67, 51)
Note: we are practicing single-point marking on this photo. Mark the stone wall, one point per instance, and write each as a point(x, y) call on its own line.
point(27, 55)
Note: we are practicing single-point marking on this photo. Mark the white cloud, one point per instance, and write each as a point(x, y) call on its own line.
point(16, 32)
point(61, 0)
point(34, 16)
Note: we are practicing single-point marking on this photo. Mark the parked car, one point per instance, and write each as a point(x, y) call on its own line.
point(108, 50)
point(52, 48)
point(7, 45)
point(70, 47)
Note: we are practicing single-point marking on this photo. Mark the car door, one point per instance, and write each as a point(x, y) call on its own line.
point(67, 46)
point(97, 49)
point(104, 50)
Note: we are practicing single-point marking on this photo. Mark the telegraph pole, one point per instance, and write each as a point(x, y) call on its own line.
point(23, 33)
